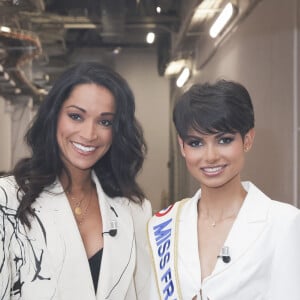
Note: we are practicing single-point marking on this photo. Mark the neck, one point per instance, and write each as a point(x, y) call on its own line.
point(219, 203)
point(80, 182)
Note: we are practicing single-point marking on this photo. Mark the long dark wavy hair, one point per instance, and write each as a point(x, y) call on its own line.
point(116, 170)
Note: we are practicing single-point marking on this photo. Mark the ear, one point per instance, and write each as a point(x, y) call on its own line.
point(248, 139)
point(181, 145)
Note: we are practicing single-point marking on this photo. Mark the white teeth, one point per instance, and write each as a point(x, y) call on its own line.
point(212, 170)
point(84, 148)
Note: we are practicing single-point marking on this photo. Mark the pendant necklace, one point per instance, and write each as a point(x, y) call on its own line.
point(214, 222)
point(78, 210)
point(77, 207)
point(83, 214)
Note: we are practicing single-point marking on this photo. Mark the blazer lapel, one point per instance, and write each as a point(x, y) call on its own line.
point(118, 260)
point(249, 225)
point(188, 255)
point(66, 250)
point(65, 246)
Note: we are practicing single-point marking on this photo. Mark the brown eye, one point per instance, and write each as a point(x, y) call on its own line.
point(194, 143)
point(225, 140)
point(106, 123)
point(75, 117)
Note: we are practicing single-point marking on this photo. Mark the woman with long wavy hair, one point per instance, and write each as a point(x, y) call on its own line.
point(72, 216)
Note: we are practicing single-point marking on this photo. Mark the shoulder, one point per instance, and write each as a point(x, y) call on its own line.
point(279, 213)
point(8, 192)
point(143, 208)
point(183, 205)
point(282, 209)
point(8, 182)
point(285, 218)
point(141, 213)
point(277, 208)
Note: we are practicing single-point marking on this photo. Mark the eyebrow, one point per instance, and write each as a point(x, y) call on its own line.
point(84, 111)
point(217, 135)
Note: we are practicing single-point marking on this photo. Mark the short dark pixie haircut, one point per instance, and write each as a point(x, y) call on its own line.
point(224, 106)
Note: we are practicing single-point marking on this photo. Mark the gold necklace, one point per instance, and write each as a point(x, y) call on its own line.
point(214, 222)
point(77, 208)
point(82, 215)
point(79, 213)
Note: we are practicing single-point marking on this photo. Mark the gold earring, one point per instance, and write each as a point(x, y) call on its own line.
point(246, 149)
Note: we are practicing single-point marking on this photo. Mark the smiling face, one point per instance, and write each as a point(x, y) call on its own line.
point(215, 159)
point(84, 127)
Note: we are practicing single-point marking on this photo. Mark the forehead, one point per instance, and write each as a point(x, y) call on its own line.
point(197, 133)
point(91, 96)
point(215, 134)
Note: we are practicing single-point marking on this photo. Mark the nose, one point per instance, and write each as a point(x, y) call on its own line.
point(211, 154)
point(88, 131)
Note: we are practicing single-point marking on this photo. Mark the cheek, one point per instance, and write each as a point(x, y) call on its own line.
point(106, 135)
point(59, 130)
point(192, 157)
point(64, 126)
point(238, 155)
point(63, 130)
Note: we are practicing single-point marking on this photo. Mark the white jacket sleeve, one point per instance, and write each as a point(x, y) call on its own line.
point(5, 238)
point(285, 271)
point(143, 277)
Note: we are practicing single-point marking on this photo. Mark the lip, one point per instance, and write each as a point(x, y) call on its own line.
point(83, 149)
point(213, 170)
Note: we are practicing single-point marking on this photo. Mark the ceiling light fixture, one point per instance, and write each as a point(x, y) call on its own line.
point(117, 50)
point(5, 29)
point(222, 20)
point(4, 76)
point(12, 82)
point(183, 77)
point(205, 10)
point(17, 91)
point(174, 67)
point(150, 37)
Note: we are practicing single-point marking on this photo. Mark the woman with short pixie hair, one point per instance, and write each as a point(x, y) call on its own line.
point(229, 241)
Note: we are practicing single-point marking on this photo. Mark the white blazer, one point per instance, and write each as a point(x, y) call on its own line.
point(49, 261)
point(264, 246)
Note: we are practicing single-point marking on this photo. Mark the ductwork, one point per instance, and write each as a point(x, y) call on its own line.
point(21, 41)
point(113, 20)
point(39, 5)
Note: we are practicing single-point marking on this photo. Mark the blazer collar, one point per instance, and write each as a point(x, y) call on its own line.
point(118, 258)
point(249, 224)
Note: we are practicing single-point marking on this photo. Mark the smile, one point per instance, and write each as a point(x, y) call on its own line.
point(82, 148)
point(213, 170)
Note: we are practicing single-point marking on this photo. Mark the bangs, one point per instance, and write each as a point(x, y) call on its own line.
point(209, 127)
point(224, 107)
point(203, 119)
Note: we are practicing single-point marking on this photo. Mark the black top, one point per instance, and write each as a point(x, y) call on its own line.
point(95, 264)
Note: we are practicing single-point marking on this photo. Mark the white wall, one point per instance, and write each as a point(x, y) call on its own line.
point(21, 117)
point(5, 136)
point(14, 121)
point(151, 92)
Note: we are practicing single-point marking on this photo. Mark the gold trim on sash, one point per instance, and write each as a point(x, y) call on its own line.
point(171, 212)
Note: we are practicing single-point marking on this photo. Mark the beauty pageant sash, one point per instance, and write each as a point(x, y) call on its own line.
point(163, 239)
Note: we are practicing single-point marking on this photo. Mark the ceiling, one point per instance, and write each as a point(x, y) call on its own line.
point(49, 35)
